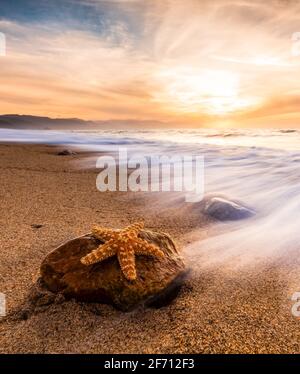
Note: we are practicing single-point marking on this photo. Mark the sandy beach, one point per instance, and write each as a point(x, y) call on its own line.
point(219, 309)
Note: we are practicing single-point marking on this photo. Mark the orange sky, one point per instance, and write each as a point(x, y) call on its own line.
point(200, 63)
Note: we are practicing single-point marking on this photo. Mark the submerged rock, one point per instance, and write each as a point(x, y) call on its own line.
point(158, 279)
point(225, 210)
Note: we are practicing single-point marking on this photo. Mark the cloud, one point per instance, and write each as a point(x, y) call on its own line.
point(130, 63)
point(47, 62)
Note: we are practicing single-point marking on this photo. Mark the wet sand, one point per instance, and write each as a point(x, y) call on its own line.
point(219, 309)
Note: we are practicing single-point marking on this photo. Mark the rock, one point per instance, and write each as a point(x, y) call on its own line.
point(38, 299)
point(36, 226)
point(158, 279)
point(66, 152)
point(38, 296)
point(225, 210)
point(45, 300)
point(24, 314)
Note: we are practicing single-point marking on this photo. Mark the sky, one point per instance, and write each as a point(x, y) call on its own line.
point(198, 63)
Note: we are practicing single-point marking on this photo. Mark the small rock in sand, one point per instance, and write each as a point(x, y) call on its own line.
point(225, 210)
point(66, 152)
point(36, 225)
point(158, 279)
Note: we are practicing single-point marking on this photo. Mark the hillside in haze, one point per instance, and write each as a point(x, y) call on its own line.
point(15, 121)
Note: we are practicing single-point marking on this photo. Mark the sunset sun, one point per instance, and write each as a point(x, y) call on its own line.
point(215, 92)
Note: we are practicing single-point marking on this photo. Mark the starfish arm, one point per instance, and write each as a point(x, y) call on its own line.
point(103, 233)
point(135, 228)
point(127, 262)
point(99, 254)
point(142, 247)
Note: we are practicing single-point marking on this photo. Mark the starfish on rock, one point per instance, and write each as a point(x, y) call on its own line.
point(125, 244)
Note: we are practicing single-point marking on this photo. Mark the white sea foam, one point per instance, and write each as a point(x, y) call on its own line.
point(259, 167)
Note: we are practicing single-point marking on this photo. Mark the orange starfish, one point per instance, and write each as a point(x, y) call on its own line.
point(125, 244)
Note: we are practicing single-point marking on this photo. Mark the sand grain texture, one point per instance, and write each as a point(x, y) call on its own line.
point(217, 311)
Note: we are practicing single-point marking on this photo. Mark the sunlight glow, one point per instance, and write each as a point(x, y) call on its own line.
point(199, 63)
point(212, 91)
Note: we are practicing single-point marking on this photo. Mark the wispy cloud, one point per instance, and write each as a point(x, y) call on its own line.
point(195, 61)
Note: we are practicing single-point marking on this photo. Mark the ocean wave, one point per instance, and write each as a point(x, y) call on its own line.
point(258, 167)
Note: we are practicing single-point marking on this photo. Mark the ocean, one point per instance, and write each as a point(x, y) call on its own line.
point(260, 168)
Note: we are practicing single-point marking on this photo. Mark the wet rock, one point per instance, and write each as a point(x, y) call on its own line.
point(226, 210)
point(66, 152)
point(158, 279)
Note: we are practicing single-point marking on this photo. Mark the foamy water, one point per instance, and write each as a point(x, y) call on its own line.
point(259, 167)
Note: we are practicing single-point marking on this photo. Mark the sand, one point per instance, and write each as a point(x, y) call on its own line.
point(219, 310)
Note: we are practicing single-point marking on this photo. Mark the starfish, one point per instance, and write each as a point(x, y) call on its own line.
point(125, 244)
